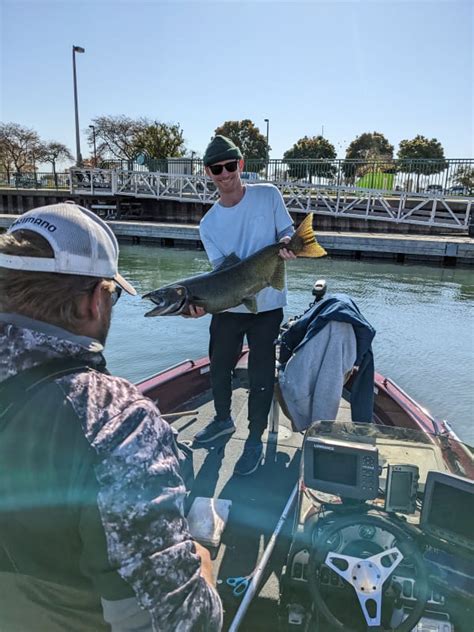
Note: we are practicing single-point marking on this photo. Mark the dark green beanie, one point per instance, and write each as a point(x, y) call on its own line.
point(221, 148)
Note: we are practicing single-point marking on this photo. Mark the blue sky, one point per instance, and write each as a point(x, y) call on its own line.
point(400, 68)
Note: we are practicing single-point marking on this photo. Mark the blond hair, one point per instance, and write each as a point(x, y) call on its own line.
point(46, 296)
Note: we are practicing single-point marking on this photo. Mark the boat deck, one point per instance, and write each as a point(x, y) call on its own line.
point(258, 501)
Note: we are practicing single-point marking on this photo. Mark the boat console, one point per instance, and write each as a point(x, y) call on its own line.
point(384, 532)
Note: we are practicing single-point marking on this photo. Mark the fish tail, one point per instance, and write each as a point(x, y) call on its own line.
point(304, 243)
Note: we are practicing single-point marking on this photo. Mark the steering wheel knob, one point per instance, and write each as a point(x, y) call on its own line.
point(365, 577)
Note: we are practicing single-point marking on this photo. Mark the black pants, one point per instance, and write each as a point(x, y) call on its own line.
point(227, 335)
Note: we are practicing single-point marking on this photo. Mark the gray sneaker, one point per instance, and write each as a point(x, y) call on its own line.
point(214, 430)
point(250, 459)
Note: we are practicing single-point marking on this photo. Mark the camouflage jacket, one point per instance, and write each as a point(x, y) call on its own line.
point(91, 498)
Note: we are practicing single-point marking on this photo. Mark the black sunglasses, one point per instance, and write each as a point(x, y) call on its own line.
point(116, 294)
point(216, 170)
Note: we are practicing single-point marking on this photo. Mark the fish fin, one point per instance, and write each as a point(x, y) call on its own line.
point(229, 261)
point(278, 279)
point(250, 303)
point(304, 243)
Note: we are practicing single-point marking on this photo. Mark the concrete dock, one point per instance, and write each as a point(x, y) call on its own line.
point(448, 250)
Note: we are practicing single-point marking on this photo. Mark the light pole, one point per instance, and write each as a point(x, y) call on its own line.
point(76, 49)
point(267, 121)
point(92, 127)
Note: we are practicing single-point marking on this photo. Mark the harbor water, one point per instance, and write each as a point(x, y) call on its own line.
point(423, 316)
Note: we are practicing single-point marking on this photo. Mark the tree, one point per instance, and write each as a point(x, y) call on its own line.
point(124, 138)
point(421, 156)
point(6, 164)
point(421, 147)
point(464, 176)
point(160, 140)
point(115, 136)
point(314, 148)
point(54, 152)
point(19, 146)
point(248, 138)
point(89, 163)
point(369, 147)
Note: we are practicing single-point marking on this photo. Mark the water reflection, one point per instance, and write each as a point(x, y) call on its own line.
point(422, 314)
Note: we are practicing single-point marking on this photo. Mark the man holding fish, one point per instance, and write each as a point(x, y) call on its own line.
point(248, 235)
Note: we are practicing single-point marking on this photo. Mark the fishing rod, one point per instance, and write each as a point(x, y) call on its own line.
point(258, 572)
point(182, 413)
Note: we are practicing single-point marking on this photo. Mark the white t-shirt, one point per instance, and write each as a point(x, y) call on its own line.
point(258, 220)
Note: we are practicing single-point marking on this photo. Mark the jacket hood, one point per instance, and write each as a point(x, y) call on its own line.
point(25, 343)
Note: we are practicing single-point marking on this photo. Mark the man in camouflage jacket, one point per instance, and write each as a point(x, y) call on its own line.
point(92, 530)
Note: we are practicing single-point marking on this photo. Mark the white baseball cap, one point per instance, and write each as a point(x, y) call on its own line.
point(83, 244)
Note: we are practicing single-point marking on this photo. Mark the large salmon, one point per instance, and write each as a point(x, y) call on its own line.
point(236, 281)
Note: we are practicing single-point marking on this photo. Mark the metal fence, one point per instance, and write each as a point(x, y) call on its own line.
point(446, 177)
point(396, 207)
point(453, 176)
point(37, 180)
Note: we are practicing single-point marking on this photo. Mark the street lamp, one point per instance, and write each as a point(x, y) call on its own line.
point(267, 121)
point(76, 49)
point(92, 127)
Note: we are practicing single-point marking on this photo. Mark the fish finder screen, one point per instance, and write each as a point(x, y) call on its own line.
point(335, 467)
point(401, 489)
point(452, 510)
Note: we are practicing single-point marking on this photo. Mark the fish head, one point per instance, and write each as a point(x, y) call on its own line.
point(169, 300)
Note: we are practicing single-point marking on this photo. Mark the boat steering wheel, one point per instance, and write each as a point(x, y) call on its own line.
point(367, 575)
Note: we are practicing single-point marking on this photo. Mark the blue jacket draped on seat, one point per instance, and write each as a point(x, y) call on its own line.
point(338, 308)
